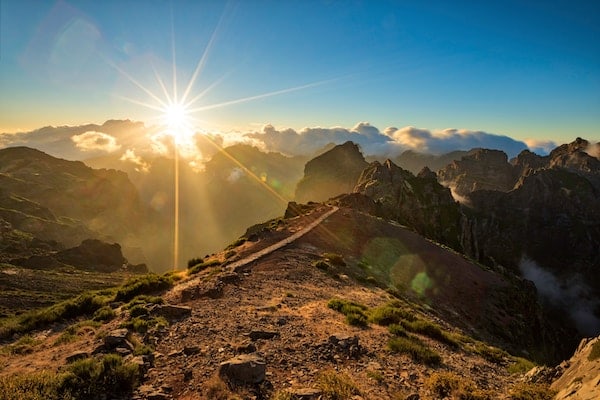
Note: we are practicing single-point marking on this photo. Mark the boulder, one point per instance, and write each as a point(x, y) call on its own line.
point(245, 368)
point(171, 312)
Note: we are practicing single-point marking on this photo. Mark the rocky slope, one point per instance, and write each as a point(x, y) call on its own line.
point(332, 173)
point(48, 204)
point(268, 329)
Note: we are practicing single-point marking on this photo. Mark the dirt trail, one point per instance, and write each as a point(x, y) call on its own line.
point(235, 266)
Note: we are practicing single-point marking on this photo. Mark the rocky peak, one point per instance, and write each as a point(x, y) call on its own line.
point(419, 202)
point(332, 173)
point(481, 169)
point(426, 173)
point(527, 160)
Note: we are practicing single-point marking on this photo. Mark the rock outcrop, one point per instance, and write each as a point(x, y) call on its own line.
point(332, 173)
point(416, 201)
point(481, 169)
point(581, 378)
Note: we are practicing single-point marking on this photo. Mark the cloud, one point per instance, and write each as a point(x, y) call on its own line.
point(131, 157)
point(92, 140)
point(572, 296)
point(389, 143)
point(593, 150)
point(541, 147)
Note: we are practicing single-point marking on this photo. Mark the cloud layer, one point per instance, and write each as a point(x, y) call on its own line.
point(133, 142)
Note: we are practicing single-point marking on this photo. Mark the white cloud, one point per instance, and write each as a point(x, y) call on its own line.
point(541, 147)
point(92, 140)
point(391, 142)
point(131, 157)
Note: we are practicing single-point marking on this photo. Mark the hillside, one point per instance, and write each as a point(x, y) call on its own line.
point(284, 310)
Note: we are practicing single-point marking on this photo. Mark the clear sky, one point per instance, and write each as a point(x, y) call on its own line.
point(525, 69)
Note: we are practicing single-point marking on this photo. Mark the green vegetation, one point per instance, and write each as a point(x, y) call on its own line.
point(448, 384)
point(334, 259)
point(354, 312)
point(414, 348)
point(86, 304)
point(389, 314)
point(194, 261)
point(337, 385)
point(322, 265)
point(144, 299)
point(520, 366)
point(70, 334)
point(490, 353)
point(237, 243)
point(202, 266)
point(429, 329)
point(84, 379)
point(104, 314)
point(375, 375)
point(145, 284)
point(595, 353)
point(24, 345)
point(531, 391)
point(397, 330)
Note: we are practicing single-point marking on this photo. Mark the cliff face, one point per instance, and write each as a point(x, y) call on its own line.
point(416, 201)
point(481, 169)
point(332, 173)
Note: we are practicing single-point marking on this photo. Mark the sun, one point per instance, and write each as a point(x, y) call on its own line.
point(176, 118)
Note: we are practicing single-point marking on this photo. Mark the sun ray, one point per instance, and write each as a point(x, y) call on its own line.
point(135, 82)
point(257, 97)
point(162, 84)
point(140, 103)
point(205, 91)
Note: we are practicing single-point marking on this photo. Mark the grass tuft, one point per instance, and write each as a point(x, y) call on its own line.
point(415, 348)
point(337, 385)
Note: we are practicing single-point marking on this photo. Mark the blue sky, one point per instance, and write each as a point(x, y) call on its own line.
point(524, 69)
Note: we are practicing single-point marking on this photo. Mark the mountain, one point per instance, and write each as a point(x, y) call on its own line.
point(416, 201)
point(332, 173)
point(415, 162)
point(49, 204)
point(539, 215)
point(332, 303)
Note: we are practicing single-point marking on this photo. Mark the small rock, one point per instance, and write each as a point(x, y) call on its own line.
point(171, 312)
point(229, 277)
point(245, 348)
point(255, 335)
point(246, 368)
point(191, 350)
point(414, 396)
point(78, 355)
point(306, 393)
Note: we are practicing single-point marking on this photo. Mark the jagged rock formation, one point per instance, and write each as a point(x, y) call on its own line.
point(416, 201)
point(581, 376)
point(415, 162)
point(481, 169)
point(332, 173)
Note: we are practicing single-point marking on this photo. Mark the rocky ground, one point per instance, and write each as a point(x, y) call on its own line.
point(272, 315)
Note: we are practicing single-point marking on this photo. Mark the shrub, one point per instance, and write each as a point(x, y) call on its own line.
point(521, 365)
point(37, 386)
point(387, 315)
point(429, 329)
point(92, 378)
point(322, 265)
point(531, 391)
point(448, 384)
point(334, 259)
point(145, 284)
point(397, 330)
point(137, 311)
point(490, 353)
point(202, 266)
point(354, 312)
point(194, 261)
point(237, 243)
point(143, 300)
point(337, 385)
point(414, 348)
point(104, 314)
